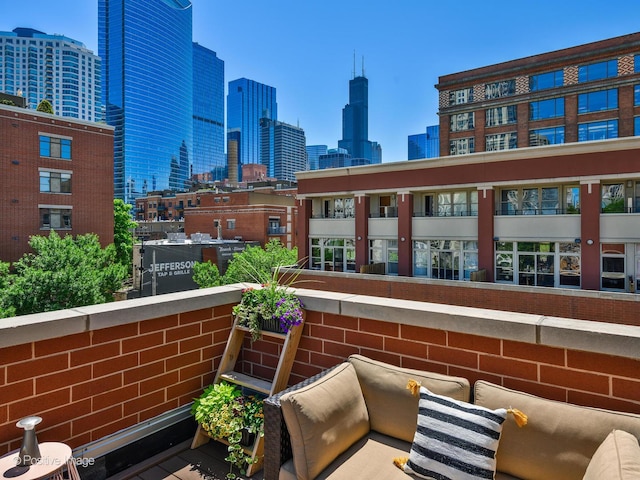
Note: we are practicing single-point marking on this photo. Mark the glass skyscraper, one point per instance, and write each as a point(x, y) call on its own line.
point(147, 58)
point(313, 155)
point(63, 71)
point(247, 102)
point(355, 123)
point(208, 113)
point(282, 149)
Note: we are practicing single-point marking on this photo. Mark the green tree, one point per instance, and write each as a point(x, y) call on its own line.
point(63, 273)
point(5, 310)
point(122, 236)
point(45, 106)
point(255, 264)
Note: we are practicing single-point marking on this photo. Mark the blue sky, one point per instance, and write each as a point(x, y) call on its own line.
point(305, 49)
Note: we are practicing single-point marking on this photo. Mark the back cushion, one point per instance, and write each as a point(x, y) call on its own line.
point(324, 419)
point(617, 458)
point(559, 438)
point(392, 409)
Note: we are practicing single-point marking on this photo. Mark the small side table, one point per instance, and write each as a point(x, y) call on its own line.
point(55, 457)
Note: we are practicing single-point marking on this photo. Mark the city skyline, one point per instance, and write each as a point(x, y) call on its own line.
point(295, 48)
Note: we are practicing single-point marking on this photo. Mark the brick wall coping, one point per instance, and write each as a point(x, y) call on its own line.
point(597, 337)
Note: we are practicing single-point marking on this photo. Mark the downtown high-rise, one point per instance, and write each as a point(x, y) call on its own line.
point(248, 101)
point(282, 149)
point(147, 53)
point(38, 66)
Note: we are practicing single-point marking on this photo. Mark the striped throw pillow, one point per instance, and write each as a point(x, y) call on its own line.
point(454, 440)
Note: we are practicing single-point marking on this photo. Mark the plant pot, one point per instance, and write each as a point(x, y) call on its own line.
point(248, 438)
point(271, 325)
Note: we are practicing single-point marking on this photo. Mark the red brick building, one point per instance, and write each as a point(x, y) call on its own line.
point(56, 173)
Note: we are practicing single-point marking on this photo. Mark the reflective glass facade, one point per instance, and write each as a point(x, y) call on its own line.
point(208, 113)
point(147, 55)
point(247, 102)
point(282, 149)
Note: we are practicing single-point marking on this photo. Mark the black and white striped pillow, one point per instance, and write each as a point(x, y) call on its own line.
point(454, 440)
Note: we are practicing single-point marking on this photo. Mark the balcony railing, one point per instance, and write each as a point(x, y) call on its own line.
point(98, 373)
point(276, 230)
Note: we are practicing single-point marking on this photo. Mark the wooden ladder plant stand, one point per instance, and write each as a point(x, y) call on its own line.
point(281, 377)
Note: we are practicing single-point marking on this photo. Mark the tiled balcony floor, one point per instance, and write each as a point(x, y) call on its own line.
point(205, 462)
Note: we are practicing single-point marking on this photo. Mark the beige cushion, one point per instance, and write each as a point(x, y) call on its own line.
point(324, 419)
point(392, 409)
point(617, 458)
point(559, 439)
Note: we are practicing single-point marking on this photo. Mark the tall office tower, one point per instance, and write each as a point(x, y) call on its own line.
point(313, 155)
point(233, 144)
point(355, 122)
point(417, 146)
point(63, 71)
point(282, 149)
point(208, 113)
point(147, 71)
point(247, 102)
point(432, 142)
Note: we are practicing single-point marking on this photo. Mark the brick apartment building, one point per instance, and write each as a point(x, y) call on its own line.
point(56, 173)
point(551, 196)
point(258, 214)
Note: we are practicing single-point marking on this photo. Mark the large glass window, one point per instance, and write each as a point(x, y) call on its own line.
point(597, 71)
point(445, 259)
point(569, 260)
point(464, 95)
point(532, 201)
point(384, 251)
point(598, 101)
point(501, 115)
point(55, 218)
point(612, 199)
point(338, 208)
point(55, 147)
point(550, 108)
point(636, 95)
point(597, 130)
point(461, 121)
point(546, 136)
point(55, 182)
point(613, 263)
point(501, 141)
point(333, 254)
point(572, 200)
point(500, 89)
point(636, 63)
point(544, 81)
point(504, 262)
point(636, 125)
point(536, 263)
point(462, 146)
point(458, 203)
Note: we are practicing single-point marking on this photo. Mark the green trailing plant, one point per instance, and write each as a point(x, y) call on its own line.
point(224, 413)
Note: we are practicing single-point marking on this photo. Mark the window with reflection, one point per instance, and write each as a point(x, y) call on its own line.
point(536, 262)
point(462, 146)
point(636, 63)
point(636, 126)
point(544, 81)
point(541, 264)
point(598, 101)
point(384, 251)
point(597, 130)
point(55, 182)
point(464, 95)
point(637, 202)
point(612, 198)
point(461, 121)
point(445, 259)
point(613, 266)
point(636, 95)
point(569, 264)
point(597, 71)
point(532, 201)
point(55, 218)
point(501, 115)
point(333, 254)
point(55, 147)
point(457, 203)
point(501, 141)
point(550, 108)
point(504, 88)
point(572, 199)
point(504, 262)
point(546, 136)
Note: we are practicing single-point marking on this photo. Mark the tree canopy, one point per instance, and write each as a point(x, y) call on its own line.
point(61, 273)
point(122, 235)
point(45, 106)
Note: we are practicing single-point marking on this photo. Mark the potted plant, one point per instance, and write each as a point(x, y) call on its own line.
point(225, 414)
point(272, 307)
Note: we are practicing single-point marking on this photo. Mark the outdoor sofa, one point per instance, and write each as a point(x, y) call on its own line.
point(353, 420)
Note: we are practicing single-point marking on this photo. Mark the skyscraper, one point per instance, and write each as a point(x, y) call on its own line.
point(313, 155)
point(282, 149)
point(355, 122)
point(63, 71)
point(417, 146)
point(208, 113)
point(247, 102)
point(147, 52)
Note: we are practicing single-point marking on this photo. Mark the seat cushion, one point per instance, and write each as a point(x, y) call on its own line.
point(559, 438)
point(324, 419)
point(617, 458)
point(370, 458)
point(393, 410)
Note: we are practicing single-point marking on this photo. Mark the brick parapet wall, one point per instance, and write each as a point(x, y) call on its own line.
point(95, 371)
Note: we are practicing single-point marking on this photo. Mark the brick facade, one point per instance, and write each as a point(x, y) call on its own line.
point(91, 168)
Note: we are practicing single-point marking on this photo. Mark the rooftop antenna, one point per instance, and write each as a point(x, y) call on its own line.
point(363, 65)
point(354, 63)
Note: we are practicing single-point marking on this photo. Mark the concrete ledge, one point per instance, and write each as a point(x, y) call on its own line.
point(41, 326)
